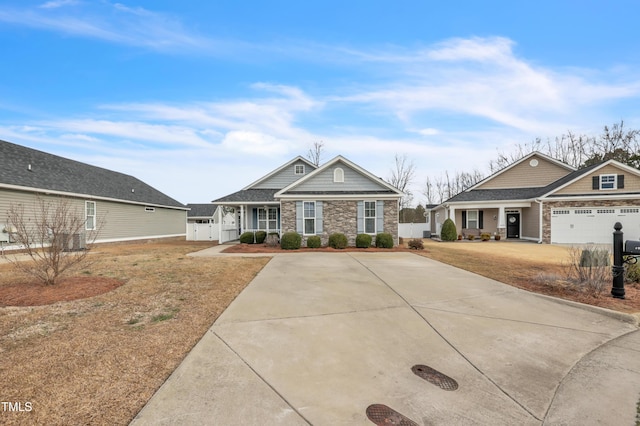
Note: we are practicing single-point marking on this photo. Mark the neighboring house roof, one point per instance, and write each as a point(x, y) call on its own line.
point(476, 195)
point(201, 210)
point(28, 169)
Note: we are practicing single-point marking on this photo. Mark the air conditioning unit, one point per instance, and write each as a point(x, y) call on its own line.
point(76, 242)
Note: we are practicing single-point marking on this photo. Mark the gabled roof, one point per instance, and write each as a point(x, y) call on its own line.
point(27, 169)
point(281, 168)
point(385, 188)
point(201, 210)
point(520, 161)
point(580, 173)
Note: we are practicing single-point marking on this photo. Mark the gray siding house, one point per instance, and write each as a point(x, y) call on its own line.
point(124, 206)
point(338, 196)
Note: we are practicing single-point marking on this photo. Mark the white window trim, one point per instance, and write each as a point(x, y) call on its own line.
point(477, 219)
point(305, 218)
point(300, 167)
point(374, 217)
point(614, 182)
point(87, 215)
point(338, 175)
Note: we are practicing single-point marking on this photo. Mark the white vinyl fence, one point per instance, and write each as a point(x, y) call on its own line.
point(412, 230)
point(211, 232)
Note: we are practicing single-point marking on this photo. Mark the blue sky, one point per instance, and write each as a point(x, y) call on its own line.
point(201, 98)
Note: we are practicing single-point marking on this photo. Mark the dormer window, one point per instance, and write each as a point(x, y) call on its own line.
point(338, 175)
point(299, 169)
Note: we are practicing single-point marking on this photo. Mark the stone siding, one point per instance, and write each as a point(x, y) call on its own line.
point(550, 205)
point(340, 216)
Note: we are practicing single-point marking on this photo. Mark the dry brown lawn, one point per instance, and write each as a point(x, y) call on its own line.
point(528, 266)
point(98, 360)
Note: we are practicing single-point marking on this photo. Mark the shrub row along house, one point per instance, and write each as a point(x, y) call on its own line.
point(337, 197)
point(542, 199)
point(123, 207)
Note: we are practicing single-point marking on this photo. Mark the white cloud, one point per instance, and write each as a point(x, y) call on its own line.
point(114, 23)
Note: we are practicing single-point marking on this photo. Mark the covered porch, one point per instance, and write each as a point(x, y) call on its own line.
point(253, 217)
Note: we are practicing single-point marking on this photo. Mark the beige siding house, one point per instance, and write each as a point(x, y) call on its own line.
point(119, 206)
point(338, 196)
point(542, 199)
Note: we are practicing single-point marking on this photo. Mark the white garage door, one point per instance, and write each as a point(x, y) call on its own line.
point(593, 224)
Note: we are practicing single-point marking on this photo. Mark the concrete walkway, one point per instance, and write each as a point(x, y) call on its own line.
point(316, 338)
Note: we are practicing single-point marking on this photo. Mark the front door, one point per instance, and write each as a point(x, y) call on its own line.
point(513, 225)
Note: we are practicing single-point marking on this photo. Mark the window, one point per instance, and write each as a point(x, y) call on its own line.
point(309, 216)
point(268, 218)
point(338, 175)
point(150, 209)
point(607, 181)
point(90, 214)
point(299, 169)
point(370, 217)
point(472, 219)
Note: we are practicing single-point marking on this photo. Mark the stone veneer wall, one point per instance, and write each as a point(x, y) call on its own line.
point(548, 206)
point(340, 216)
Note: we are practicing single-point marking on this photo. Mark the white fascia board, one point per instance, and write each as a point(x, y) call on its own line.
point(612, 197)
point(86, 196)
point(339, 197)
point(490, 204)
point(279, 169)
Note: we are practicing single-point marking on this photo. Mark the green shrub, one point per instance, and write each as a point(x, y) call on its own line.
point(260, 236)
point(314, 241)
point(363, 240)
point(416, 244)
point(246, 238)
point(338, 240)
point(485, 236)
point(291, 241)
point(384, 240)
point(448, 231)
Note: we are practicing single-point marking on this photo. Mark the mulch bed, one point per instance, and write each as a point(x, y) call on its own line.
point(263, 248)
point(34, 293)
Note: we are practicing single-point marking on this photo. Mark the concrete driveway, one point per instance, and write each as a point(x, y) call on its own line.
point(316, 338)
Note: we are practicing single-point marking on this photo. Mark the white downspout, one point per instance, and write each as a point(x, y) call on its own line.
point(539, 220)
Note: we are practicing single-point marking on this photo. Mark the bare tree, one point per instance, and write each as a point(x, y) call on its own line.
point(446, 186)
point(46, 234)
point(401, 177)
point(315, 153)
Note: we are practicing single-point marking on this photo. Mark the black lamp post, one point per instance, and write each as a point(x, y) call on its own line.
point(617, 290)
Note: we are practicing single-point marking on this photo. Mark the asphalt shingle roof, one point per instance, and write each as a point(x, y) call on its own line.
point(201, 210)
point(249, 196)
point(26, 167)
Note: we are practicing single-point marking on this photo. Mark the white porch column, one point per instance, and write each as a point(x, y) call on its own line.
point(452, 214)
point(501, 218)
point(241, 219)
point(220, 237)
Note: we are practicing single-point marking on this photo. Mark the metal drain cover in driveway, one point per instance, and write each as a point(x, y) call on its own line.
point(382, 416)
point(435, 377)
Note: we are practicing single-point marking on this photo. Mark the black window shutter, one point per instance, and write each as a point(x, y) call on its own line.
point(464, 218)
point(595, 182)
point(480, 215)
point(620, 181)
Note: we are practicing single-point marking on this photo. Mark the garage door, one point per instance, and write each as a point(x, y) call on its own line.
point(593, 225)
